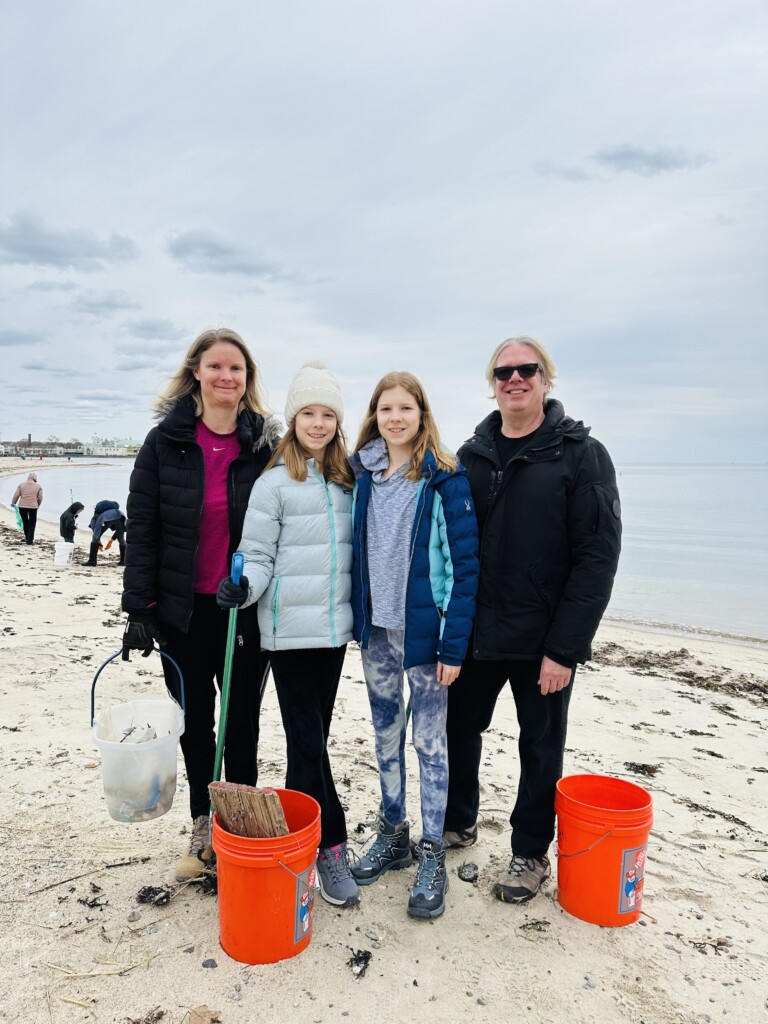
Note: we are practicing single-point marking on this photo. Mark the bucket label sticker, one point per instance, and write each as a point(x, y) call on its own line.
point(305, 887)
point(632, 876)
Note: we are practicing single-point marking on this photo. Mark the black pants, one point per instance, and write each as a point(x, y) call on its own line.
point(306, 684)
point(29, 521)
point(543, 721)
point(200, 655)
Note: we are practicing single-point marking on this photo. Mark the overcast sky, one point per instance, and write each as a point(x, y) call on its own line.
point(390, 186)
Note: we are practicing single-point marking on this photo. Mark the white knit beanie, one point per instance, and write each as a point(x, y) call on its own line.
point(314, 384)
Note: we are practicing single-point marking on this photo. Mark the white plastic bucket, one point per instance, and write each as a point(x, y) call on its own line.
point(140, 778)
point(63, 552)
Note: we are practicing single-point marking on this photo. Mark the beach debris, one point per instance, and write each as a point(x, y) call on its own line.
point(203, 1015)
point(153, 1016)
point(157, 895)
point(712, 813)
point(359, 961)
point(649, 770)
point(718, 945)
point(468, 871)
point(248, 811)
point(134, 915)
point(539, 925)
point(210, 964)
point(711, 753)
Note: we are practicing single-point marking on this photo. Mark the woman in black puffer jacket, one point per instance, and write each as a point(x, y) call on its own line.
point(187, 499)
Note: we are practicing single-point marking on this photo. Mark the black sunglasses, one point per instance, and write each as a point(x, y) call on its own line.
point(526, 371)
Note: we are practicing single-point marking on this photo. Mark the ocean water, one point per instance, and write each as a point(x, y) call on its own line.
point(694, 554)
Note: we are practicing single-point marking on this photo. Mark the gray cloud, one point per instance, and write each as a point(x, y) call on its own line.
point(51, 286)
point(85, 398)
point(42, 367)
point(10, 337)
point(155, 329)
point(103, 303)
point(202, 252)
point(24, 240)
point(631, 159)
point(564, 172)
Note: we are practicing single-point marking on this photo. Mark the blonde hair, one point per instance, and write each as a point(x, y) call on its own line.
point(332, 462)
point(184, 382)
point(428, 437)
point(545, 361)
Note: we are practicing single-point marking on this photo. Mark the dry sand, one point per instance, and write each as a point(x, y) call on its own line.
point(79, 947)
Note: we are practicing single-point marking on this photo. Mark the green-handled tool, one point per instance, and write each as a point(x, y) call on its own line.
point(229, 655)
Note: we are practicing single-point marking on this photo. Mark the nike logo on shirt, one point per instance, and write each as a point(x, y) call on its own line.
point(218, 449)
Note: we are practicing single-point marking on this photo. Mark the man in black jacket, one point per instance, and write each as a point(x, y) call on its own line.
point(550, 533)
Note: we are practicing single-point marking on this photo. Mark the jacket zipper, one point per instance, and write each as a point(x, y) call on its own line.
point(332, 528)
point(420, 500)
point(275, 601)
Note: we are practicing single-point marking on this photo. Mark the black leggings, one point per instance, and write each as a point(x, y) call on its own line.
point(200, 655)
point(29, 521)
point(306, 683)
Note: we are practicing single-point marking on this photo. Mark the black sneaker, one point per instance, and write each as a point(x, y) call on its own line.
point(522, 879)
point(427, 897)
point(460, 837)
point(391, 849)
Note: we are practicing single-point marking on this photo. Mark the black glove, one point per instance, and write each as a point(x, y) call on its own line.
point(140, 634)
point(231, 594)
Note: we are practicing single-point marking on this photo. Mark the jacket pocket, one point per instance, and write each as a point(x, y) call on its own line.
point(275, 605)
point(541, 591)
point(608, 511)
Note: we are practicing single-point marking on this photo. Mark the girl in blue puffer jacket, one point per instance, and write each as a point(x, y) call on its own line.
point(297, 546)
point(414, 582)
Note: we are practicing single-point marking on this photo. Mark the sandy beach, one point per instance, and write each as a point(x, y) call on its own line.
point(686, 719)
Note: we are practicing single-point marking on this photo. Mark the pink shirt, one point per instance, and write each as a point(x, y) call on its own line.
point(212, 564)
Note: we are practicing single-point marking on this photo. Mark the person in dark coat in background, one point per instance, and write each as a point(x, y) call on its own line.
point(106, 516)
point(186, 503)
point(68, 521)
point(550, 533)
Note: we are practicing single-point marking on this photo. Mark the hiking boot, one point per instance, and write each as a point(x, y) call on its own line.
point(522, 879)
point(427, 897)
point(390, 849)
point(460, 837)
point(337, 885)
point(200, 851)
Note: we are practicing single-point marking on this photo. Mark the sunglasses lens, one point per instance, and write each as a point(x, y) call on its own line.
point(526, 371)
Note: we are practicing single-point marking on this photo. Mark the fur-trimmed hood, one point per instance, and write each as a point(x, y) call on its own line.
point(254, 431)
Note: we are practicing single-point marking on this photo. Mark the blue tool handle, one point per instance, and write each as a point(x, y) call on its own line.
point(237, 567)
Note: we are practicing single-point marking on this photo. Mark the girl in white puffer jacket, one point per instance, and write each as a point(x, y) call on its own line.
point(297, 546)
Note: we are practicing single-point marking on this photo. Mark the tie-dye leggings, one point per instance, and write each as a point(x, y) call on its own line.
point(383, 668)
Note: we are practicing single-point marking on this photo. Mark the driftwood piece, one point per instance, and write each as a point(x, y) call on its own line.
point(248, 811)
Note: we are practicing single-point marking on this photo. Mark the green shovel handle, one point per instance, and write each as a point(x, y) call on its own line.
point(229, 654)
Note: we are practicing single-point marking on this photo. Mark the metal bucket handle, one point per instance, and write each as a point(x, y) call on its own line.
point(578, 853)
point(117, 655)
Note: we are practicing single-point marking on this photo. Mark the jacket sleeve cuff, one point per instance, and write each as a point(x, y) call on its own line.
point(561, 659)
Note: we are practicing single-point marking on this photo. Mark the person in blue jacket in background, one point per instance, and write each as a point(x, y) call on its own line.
point(106, 516)
point(414, 582)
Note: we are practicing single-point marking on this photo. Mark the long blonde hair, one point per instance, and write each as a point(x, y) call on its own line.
point(428, 437)
point(184, 382)
point(332, 463)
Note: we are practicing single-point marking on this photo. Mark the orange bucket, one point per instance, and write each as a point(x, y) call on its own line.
point(602, 838)
point(266, 886)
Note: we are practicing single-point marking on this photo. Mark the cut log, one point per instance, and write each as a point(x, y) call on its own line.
point(248, 811)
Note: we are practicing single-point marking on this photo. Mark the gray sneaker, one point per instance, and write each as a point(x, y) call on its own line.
point(391, 849)
point(522, 879)
point(460, 837)
point(337, 885)
point(427, 897)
